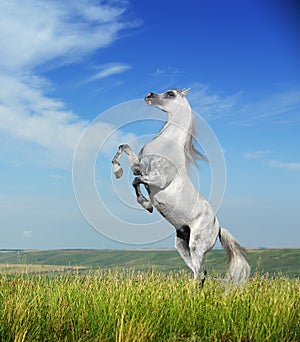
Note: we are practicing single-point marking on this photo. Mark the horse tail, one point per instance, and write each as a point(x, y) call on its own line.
point(239, 269)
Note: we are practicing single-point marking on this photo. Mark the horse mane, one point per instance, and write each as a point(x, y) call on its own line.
point(191, 152)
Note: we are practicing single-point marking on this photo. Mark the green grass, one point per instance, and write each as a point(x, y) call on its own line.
point(272, 261)
point(116, 305)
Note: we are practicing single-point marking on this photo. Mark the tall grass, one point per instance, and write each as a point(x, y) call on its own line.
point(129, 306)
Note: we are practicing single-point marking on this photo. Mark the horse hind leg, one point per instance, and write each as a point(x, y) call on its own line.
point(198, 251)
point(190, 255)
point(200, 273)
point(182, 245)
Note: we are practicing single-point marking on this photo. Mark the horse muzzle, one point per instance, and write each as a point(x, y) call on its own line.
point(150, 98)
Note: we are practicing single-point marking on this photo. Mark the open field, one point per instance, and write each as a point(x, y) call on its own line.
point(272, 261)
point(112, 305)
point(80, 295)
point(14, 269)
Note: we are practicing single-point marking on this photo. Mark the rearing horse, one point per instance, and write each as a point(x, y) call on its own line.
point(162, 167)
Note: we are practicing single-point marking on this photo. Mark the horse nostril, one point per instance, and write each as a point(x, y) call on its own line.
point(149, 95)
point(150, 98)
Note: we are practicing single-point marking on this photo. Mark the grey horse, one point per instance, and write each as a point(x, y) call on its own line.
point(162, 167)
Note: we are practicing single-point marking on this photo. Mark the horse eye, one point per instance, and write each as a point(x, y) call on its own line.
point(171, 94)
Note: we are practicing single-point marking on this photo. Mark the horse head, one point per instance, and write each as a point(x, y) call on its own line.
point(169, 101)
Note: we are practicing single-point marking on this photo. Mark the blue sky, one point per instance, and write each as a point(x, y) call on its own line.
point(62, 64)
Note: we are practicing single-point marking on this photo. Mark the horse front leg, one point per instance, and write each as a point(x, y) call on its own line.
point(140, 197)
point(135, 167)
point(132, 158)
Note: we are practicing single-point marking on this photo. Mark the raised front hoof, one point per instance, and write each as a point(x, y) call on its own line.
point(118, 171)
point(149, 207)
point(145, 203)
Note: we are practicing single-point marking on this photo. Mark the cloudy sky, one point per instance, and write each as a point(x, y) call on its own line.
point(67, 72)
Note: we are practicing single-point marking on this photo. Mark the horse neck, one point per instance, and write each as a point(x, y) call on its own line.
point(179, 125)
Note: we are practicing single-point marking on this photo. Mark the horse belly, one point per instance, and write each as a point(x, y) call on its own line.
point(177, 203)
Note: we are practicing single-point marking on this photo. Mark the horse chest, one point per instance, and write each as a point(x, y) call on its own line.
point(163, 146)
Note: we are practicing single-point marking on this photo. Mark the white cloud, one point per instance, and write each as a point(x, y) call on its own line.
point(43, 33)
point(100, 135)
point(109, 70)
point(281, 107)
point(256, 154)
point(278, 104)
point(169, 72)
point(260, 154)
point(57, 177)
point(284, 165)
point(33, 33)
point(27, 233)
point(91, 11)
point(28, 115)
point(25, 113)
point(212, 106)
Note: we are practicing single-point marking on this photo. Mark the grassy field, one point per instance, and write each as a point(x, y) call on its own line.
point(89, 295)
point(273, 261)
point(132, 306)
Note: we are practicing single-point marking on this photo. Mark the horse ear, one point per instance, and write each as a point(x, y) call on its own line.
point(185, 91)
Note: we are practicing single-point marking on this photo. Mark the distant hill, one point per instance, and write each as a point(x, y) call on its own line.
point(272, 261)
